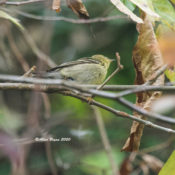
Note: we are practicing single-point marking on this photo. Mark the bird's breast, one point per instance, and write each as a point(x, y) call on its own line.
point(85, 73)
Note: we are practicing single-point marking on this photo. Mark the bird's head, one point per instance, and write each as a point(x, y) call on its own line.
point(104, 61)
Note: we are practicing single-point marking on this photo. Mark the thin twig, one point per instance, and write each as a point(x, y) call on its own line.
point(56, 88)
point(136, 131)
point(58, 84)
point(105, 140)
point(45, 85)
point(101, 125)
point(159, 146)
point(30, 71)
point(139, 88)
point(47, 105)
point(44, 88)
point(82, 88)
point(16, 52)
point(121, 113)
point(65, 19)
point(156, 75)
point(49, 85)
point(120, 67)
point(149, 82)
point(50, 158)
point(146, 113)
point(42, 56)
point(18, 3)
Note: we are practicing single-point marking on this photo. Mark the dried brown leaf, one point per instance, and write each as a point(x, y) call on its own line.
point(120, 6)
point(56, 5)
point(78, 8)
point(147, 60)
point(126, 167)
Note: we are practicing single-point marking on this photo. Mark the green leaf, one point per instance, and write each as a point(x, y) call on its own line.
point(169, 167)
point(173, 1)
point(146, 6)
point(10, 18)
point(129, 4)
point(98, 162)
point(170, 74)
point(166, 12)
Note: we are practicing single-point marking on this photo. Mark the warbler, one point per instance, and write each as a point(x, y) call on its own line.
point(89, 70)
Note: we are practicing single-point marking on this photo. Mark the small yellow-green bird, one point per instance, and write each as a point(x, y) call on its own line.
point(89, 70)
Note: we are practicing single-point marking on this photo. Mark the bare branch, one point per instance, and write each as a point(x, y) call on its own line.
point(156, 75)
point(42, 56)
point(120, 67)
point(146, 113)
point(149, 82)
point(18, 3)
point(28, 73)
point(139, 88)
point(17, 52)
point(44, 88)
point(158, 147)
point(105, 140)
point(121, 113)
point(51, 85)
point(130, 89)
point(65, 19)
point(50, 158)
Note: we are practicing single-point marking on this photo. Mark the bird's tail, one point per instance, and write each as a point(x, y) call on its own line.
point(39, 74)
point(43, 74)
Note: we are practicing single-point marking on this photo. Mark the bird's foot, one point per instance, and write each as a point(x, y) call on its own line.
point(89, 100)
point(67, 92)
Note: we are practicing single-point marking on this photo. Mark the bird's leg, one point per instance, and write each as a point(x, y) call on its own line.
point(67, 92)
point(89, 100)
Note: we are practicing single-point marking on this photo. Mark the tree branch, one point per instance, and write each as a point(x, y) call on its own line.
point(18, 3)
point(79, 95)
point(51, 85)
point(65, 19)
point(146, 113)
point(105, 140)
point(121, 113)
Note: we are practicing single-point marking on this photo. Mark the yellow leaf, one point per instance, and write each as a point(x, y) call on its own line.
point(169, 167)
point(173, 1)
point(170, 74)
point(166, 11)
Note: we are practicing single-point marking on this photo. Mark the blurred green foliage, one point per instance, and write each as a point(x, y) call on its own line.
point(63, 41)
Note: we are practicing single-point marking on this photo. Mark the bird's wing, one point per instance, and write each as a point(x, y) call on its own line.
point(73, 63)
